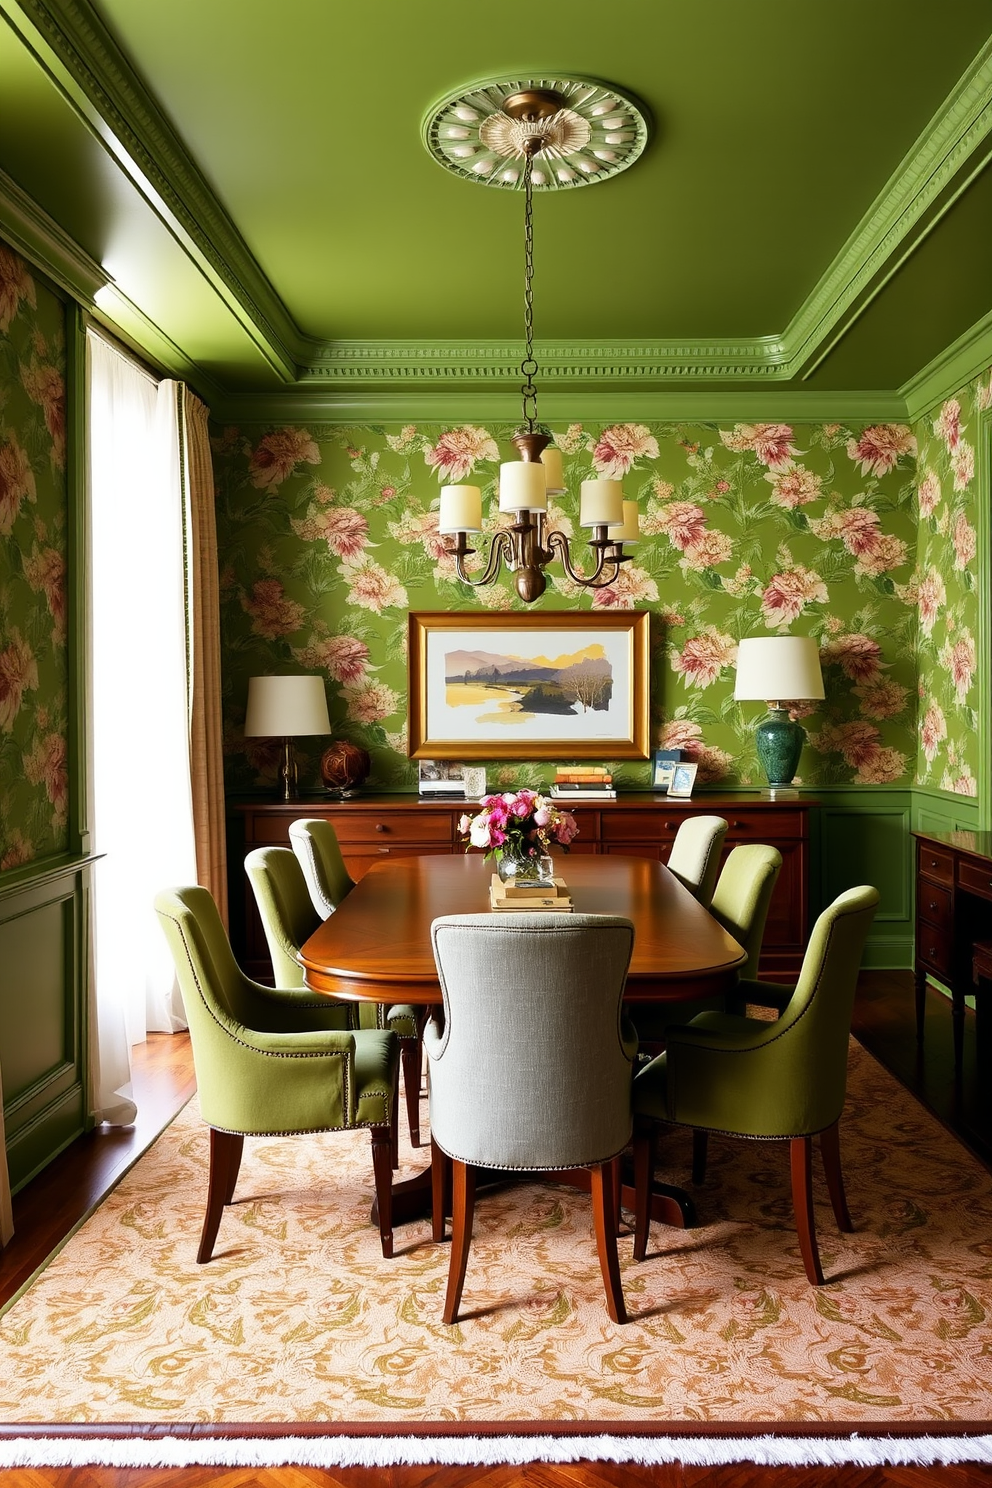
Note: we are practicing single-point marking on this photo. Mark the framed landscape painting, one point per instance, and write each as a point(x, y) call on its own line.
point(566, 685)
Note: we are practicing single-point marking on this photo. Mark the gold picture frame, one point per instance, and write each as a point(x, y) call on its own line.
point(548, 686)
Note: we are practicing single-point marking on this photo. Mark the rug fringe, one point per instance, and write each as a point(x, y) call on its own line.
point(368, 1451)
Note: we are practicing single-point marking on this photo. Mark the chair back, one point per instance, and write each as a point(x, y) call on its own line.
point(742, 895)
point(695, 855)
point(531, 1068)
point(315, 844)
point(212, 986)
point(285, 908)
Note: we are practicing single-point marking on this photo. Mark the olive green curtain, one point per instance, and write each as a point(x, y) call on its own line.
point(206, 723)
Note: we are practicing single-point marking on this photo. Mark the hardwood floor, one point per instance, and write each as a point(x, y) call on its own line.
point(47, 1209)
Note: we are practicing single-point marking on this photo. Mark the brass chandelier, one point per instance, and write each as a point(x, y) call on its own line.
point(529, 136)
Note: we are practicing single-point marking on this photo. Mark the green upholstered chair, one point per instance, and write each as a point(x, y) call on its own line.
point(767, 1079)
point(695, 854)
point(530, 1065)
point(272, 1061)
point(328, 881)
point(740, 902)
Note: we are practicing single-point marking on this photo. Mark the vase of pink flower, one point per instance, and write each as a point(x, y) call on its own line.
point(519, 829)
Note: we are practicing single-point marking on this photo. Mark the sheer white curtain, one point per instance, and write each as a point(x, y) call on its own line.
point(139, 710)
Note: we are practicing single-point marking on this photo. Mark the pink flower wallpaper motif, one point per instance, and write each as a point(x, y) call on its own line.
point(749, 529)
point(34, 779)
point(944, 588)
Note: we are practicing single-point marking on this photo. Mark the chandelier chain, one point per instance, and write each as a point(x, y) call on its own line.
point(529, 365)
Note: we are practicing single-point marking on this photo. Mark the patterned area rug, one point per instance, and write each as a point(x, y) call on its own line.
point(298, 1319)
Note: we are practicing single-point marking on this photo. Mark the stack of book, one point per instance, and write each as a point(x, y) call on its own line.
point(583, 783)
point(551, 898)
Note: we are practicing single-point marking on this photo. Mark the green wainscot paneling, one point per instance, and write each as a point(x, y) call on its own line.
point(941, 811)
point(864, 837)
point(42, 1015)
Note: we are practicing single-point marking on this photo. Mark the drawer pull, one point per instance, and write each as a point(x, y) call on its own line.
point(670, 826)
point(934, 862)
point(383, 849)
point(379, 826)
point(737, 825)
point(932, 905)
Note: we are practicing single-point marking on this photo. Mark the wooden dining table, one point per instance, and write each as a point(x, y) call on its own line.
point(376, 947)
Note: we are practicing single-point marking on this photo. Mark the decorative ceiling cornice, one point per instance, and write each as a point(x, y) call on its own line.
point(78, 52)
point(32, 232)
point(470, 363)
point(75, 48)
point(899, 218)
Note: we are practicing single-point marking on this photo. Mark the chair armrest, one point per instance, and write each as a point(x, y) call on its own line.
point(289, 1009)
point(301, 1044)
point(629, 1040)
point(775, 995)
point(718, 1031)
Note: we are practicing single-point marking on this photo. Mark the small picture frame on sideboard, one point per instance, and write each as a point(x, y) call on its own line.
point(663, 766)
point(683, 779)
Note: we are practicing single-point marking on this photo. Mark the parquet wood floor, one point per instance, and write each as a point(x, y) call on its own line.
point(163, 1076)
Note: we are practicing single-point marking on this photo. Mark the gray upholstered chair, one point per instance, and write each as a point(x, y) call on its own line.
point(695, 855)
point(783, 1078)
point(530, 1064)
point(740, 902)
point(271, 1061)
point(328, 882)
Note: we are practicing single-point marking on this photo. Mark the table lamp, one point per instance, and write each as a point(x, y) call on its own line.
point(779, 670)
point(282, 708)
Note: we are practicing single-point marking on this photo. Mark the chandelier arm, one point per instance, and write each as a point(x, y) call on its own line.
point(557, 542)
point(500, 550)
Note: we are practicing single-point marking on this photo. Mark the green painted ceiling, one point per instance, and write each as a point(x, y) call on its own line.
point(813, 209)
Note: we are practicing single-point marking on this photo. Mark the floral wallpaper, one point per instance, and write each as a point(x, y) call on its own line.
point(328, 536)
point(944, 584)
point(33, 519)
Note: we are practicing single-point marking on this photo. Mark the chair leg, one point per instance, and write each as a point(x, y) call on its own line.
point(645, 1133)
point(382, 1172)
point(616, 1178)
point(440, 1190)
point(411, 1055)
point(801, 1159)
point(462, 1216)
point(700, 1150)
point(394, 1126)
point(225, 1161)
point(604, 1221)
point(830, 1152)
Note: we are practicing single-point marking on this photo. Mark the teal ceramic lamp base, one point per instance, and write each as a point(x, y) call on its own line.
point(779, 741)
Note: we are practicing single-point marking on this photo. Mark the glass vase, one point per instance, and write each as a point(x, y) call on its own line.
point(528, 868)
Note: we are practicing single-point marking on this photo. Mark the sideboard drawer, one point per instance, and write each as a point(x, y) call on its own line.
point(934, 948)
point(402, 826)
point(975, 878)
point(742, 825)
point(935, 904)
point(935, 863)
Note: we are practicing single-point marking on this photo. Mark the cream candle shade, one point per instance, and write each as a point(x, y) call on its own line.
point(522, 486)
point(630, 531)
point(461, 509)
point(602, 504)
point(554, 474)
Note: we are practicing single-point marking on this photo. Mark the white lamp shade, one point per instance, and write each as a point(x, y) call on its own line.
point(522, 486)
point(630, 531)
point(601, 504)
point(282, 707)
point(554, 474)
point(461, 509)
point(778, 668)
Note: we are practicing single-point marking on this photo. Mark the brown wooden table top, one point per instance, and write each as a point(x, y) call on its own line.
point(377, 943)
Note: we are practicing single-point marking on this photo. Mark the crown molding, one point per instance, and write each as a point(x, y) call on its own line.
point(474, 363)
point(29, 229)
point(898, 220)
point(965, 359)
point(452, 405)
point(74, 47)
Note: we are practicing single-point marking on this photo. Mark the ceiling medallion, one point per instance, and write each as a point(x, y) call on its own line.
point(585, 131)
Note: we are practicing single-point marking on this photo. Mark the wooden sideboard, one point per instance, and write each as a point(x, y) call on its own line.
point(953, 912)
point(370, 828)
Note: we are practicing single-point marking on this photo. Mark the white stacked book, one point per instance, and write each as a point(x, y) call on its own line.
point(583, 783)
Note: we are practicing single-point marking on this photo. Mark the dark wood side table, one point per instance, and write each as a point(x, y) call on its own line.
point(953, 914)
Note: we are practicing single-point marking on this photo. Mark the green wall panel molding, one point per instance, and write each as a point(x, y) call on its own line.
point(864, 838)
point(42, 1019)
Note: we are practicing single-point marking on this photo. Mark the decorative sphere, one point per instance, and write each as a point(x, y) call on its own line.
point(345, 766)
